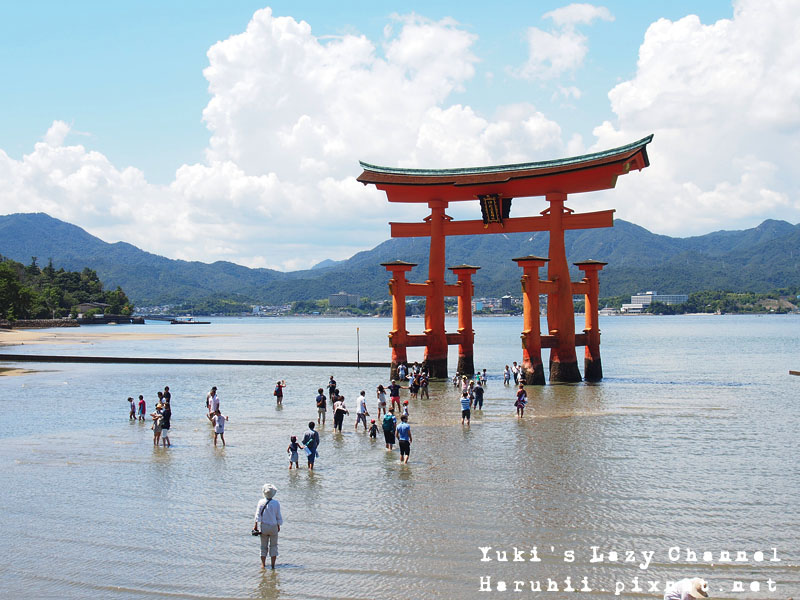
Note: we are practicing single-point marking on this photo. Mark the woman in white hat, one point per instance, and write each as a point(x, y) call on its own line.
point(687, 589)
point(268, 516)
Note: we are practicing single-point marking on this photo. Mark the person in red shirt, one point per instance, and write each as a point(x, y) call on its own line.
point(142, 407)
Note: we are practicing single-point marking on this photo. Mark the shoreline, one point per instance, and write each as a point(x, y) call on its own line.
point(20, 337)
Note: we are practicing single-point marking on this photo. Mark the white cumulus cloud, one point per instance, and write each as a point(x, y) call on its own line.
point(562, 49)
point(578, 14)
point(724, 103)
point(290, 115)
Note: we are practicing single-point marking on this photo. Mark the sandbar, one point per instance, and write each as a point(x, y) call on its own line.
point(9, 371)
point(80, 335)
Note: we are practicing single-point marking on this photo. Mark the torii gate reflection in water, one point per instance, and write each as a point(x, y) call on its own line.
point(495, 187)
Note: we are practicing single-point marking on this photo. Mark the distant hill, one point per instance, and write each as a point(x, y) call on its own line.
point(760, 259)
point(326, 263)
point(145, 277)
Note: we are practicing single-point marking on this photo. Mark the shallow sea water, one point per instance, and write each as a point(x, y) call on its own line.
point(690, 441)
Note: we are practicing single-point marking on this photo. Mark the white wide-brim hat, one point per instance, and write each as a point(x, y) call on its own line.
point(269, 490)
point(699, 588)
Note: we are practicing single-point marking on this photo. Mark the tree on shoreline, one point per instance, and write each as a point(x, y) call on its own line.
point(28, 292)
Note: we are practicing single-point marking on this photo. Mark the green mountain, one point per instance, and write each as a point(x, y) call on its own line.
point(760, 259)
point(145, 277)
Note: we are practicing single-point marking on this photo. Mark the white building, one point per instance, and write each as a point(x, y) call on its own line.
point(648, 298)
point(344, 299)
point(641, 301)
point(632, 309)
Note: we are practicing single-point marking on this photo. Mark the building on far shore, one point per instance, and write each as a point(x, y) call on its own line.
point(344, 299)
point(506, 304)
point(640, 302)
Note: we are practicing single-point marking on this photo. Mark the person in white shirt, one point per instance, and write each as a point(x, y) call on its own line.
point(339, 411)
point(212, 403)
point(687, 589)
point(219, 426)
point(361, 413)
point(268, 523)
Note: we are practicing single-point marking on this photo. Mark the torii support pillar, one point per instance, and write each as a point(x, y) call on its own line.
point(532, 370)
point(560, 309)
point(435, 335)
point(466, 335)
point(398, 337)
point(593, 368)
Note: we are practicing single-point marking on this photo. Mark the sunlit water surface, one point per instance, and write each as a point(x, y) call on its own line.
point(689, 441)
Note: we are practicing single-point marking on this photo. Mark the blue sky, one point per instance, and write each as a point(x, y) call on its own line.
point(131, 74)
point(125, 117)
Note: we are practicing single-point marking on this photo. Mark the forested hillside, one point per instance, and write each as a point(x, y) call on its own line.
point(30, 292)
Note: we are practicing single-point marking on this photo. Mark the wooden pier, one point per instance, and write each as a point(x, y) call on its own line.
point(45, 358)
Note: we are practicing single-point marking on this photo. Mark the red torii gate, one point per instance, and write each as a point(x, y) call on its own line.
point(495, 187)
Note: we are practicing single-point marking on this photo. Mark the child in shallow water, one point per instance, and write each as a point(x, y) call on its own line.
point(157, 424)
point(219, 426)
point(142, 408)
point(373, 429)
point(522, 400)
point(294, 445)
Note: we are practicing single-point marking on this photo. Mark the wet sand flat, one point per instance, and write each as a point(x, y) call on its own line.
point(11, 372)
point(84, 335)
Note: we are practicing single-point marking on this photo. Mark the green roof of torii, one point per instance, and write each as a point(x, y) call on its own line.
point(546, 164)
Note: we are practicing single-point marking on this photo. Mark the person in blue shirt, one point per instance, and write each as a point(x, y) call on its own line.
point(423, 385)
point(311, 442)
point(404, 439)
point(402, 371)
point(465, 406)
point(322, 407)
point(477, 392)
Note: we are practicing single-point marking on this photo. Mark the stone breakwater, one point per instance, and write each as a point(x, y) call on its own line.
point(37, 323)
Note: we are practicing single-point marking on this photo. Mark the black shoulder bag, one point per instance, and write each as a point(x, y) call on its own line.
point(260, 514)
